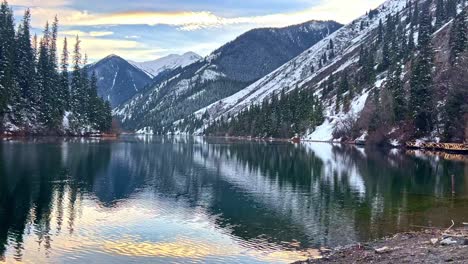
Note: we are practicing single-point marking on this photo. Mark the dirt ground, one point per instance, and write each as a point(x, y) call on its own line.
point(429, 246)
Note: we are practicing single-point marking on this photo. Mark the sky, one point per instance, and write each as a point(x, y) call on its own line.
point(143, 30)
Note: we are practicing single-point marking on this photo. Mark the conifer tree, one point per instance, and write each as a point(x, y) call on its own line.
point(8, 87)
point(398, 92)
point(421, 102)
point(451, 8)
point(76, 85)
point(25, 63)
point(458, 36)
point(441, 15)
point(64, 78)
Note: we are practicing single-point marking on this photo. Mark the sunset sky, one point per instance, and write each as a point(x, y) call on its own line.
point(144, 30)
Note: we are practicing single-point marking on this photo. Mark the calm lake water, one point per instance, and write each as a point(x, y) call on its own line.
point(194, 200)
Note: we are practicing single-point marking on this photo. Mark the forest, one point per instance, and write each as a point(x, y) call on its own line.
point(40, 93)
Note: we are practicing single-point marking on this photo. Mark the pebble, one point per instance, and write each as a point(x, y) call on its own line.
point(448, 241)
point(382, 250)
point(434, 241)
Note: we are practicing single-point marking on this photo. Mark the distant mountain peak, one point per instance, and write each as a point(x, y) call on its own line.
point(169, 62)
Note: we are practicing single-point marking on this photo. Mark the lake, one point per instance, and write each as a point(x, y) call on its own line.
point(198, 200)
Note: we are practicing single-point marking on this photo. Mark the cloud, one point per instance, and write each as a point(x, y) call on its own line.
point(132, 37)
point(97, 48)
point(342, 11)
point(86, 34)
point(93, 25)
point(41, 3)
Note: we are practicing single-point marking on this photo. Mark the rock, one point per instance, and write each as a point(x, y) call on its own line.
point(383, 250)
point(434, 241)
point(325, 250)
point(465, 242)
point(448, 241)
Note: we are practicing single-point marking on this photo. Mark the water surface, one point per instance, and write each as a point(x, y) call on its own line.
point(194, 200)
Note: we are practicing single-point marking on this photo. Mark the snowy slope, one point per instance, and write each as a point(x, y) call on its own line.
point(297, 72)
point(170, 62)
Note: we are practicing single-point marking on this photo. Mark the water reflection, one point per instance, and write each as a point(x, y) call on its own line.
point(174, 199)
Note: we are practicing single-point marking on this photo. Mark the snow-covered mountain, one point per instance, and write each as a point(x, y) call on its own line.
point(227, 70)
point(155, 67)
point(117, 79)
point(297, 72)
point(309, 72)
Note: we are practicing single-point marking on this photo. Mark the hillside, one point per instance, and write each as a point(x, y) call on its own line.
point(223, 73)
point(168, 63)
point(387, 77)
point(117, 79)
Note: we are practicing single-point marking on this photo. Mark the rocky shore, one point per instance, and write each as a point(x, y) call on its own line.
point(427, 246)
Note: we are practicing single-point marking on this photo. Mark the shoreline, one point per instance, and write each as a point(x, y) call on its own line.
point(430, 146)
point(431, 245)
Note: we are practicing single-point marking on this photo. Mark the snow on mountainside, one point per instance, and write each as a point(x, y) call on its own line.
point(227, 70)
point(340, 68)
point(297, 73)
point(170, 62)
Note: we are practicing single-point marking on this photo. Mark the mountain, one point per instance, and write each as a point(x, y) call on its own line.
point(117, 79)
point(167, 63)
point(397, 73)
point(226, 71)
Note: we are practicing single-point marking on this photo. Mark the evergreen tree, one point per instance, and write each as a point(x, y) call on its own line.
point(411, 45)
point(458, 36)
point(76, 87)
point(415, 14)
point(380, 32)
point(451, 8)
point(398, 92)
point(64, 79)
point(441, 15)
point(9, 91)
point(421, 102)
point(25, 59)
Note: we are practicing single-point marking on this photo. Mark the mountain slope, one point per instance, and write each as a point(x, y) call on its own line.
point(118, 80)
point(363, 82)
point(224, 72)
point(167, 63)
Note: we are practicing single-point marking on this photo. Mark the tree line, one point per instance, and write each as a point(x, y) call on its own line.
point(39, 95)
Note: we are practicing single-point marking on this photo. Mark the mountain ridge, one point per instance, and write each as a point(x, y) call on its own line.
point(117, 79)
point(222, 73)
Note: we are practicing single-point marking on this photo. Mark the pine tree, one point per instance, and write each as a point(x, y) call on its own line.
point(421, 102)
point(458, 36)
point(411, 45)
point(398, 92)
point(9, 91)
point(380, 32)
point(415, 14)
point(343, 88)
point(76, 85)
point(451, 8)
point(64, 79)
point(440, 13)
point(44, 78)
point(25, 60)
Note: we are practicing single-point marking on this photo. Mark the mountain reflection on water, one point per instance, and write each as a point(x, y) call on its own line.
point(154, 199)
